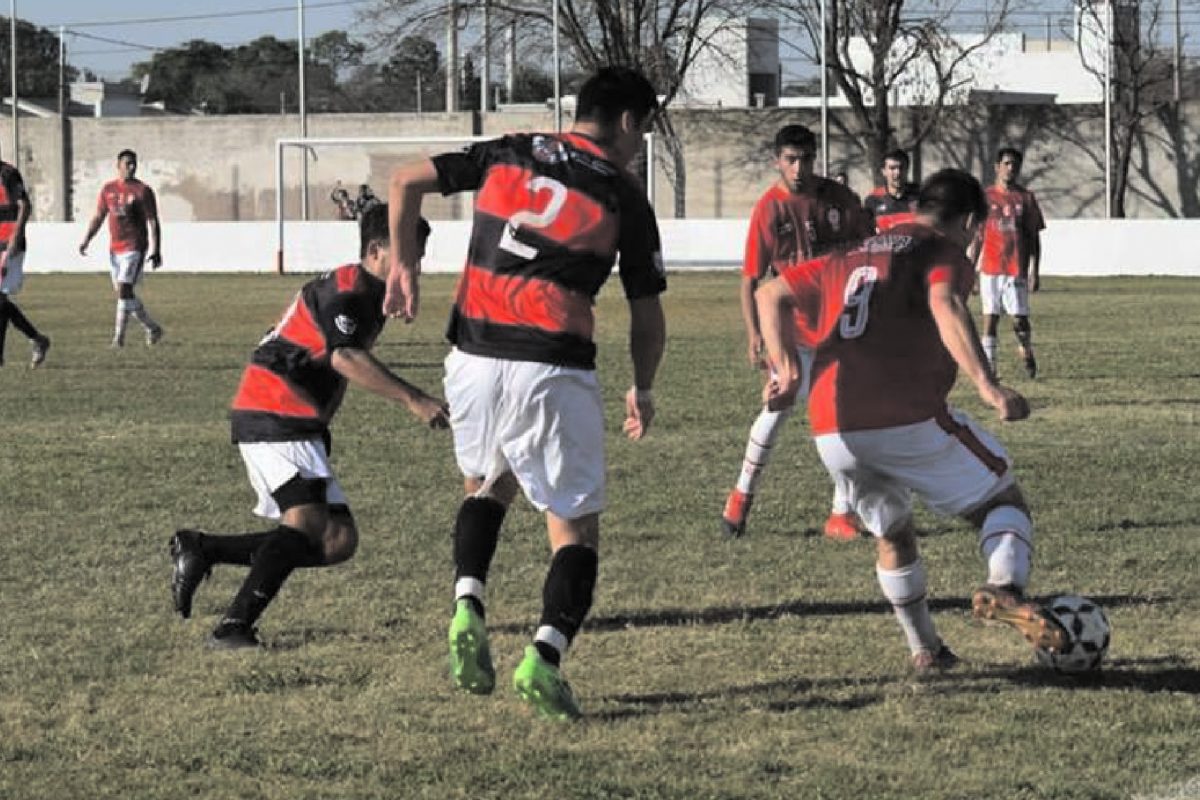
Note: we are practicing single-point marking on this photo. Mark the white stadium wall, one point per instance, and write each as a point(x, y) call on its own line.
point(1070, 247)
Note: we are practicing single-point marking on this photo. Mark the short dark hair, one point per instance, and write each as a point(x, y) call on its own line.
point(373, 227)
point(127, 154)
point(1016, 155)
point(797, 136)
point(895, 155)
point(610, 92)
point(951, 193)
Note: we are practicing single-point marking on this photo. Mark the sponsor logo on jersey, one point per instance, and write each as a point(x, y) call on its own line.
point(549, 151)
point(345, 324)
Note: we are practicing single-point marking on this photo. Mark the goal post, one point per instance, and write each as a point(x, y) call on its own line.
point(359, 172)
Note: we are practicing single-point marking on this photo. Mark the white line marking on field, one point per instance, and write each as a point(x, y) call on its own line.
point(1188, 790)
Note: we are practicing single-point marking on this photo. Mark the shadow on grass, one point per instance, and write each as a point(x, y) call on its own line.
point(723, 615)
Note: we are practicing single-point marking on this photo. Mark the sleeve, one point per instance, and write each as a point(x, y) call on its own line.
point(640, 246)
point(101, 206)
point(804, 280)
point(760, 242)
point(14, 184)
point(945, 264)
point(464, 170)
point(350, 319)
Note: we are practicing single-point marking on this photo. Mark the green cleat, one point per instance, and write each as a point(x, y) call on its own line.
point(541, 685)
point(470, 658)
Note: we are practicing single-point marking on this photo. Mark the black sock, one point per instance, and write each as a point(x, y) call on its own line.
point(283, 551)
point(5, 304)
point(236, 548)
point(476, 532)
point(20, 322)
point(567, 594)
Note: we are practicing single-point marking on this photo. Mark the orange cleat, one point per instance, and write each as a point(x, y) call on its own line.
point(843, 527)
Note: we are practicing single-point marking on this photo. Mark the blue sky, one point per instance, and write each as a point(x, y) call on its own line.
point(135, 26)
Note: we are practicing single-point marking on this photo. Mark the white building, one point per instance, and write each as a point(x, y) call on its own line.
point(738, 66)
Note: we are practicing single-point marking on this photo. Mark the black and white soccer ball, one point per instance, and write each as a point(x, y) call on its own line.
point(1089, 632)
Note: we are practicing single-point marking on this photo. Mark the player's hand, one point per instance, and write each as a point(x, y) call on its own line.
point(780, 391)
point(154, 260)
point(433, 412)
point(402, 296)
point(1035, 282)
point(83, 249)
point(1010, 404)
point(639, 413)
point(754, 352)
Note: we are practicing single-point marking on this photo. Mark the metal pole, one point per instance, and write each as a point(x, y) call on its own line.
point(62, 71)
point(557, 75)
point(824, 93)
point(303, 115)
point(1178, 56)
point(279, 207)
point(16, 135)
point(1108, 20)
point(452, 65)
point(485, 75)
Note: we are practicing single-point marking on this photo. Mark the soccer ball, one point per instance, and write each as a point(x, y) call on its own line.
point(1089, 633)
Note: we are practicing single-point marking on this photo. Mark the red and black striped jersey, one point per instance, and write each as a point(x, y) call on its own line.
point(12, 193)
point(551, 214)
point(887, 209)
point(290, 390)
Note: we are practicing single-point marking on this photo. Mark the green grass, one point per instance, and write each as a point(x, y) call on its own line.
point(763, 668)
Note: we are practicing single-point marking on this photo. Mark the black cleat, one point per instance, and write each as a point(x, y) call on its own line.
point(733, 530)
point(233, 634)
point(1030, 363)
point(41, 346)
point(190, 567)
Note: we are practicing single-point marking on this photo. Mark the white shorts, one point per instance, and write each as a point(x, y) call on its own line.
point(270, 465)
point(126, 267)
point(952, 464)
point(14, 275)
point(542, 422)
point(1004, 294)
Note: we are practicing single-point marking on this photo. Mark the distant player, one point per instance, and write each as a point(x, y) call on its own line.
point(135, 238)
point(891, 329)
point(802, 215)
point(896, 200)
point(281, 412)
point(552, 213)
point(1009, 258)
point(14, 213)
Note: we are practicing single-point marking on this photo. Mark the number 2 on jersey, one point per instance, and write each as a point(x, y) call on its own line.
point(533, 219)
point(855, 302)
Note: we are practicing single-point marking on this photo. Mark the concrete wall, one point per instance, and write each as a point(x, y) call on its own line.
point(1070, 247)
point(222, 168)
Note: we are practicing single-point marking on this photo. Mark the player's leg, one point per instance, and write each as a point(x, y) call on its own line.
point(1024, 333)
point(991, 301)
point(127, 271)
point(842, 524)
point(13, 279)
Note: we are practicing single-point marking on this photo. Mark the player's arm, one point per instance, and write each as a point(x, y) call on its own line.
point(406, 189)
point(647, 340)
point(1035, 261)
point(958, 334)
point(155, 242)
point(775, 303)
point(93, 225)
point(754, 346)
point(361, 367)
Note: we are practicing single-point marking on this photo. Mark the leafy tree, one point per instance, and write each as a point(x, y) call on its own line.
point(37, 60)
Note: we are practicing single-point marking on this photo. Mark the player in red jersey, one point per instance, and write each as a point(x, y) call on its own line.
point(135, 238)
point(551, 214)
point(896, 200)
point(14, 213)
point(1009, 257)
point(891, 329)
point(802, 215)
point(289, 392)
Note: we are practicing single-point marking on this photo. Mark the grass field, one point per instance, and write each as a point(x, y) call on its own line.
point(767, 667)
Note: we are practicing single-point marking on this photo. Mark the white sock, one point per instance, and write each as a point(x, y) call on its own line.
point(905, 590)
point(1006, 542)
point(552, 636)
point(841, 503)
point(468, 587)
point(763, 434)
point(989, 350)
point(141, 315)
point(123, 310)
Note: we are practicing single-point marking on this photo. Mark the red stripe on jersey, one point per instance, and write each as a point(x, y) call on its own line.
point(347, 277)
point(887, 221)
point(969, 440)
point(7, 229)
point(550, 208)
point(299, 327)
point(263, 390)
point(584, 143)
point(517, 300)
point(940, 275)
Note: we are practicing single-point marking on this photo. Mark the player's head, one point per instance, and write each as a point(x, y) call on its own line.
point(616, 105)
point(1008, 164)
point(795, 154)
point(894, 169)
point(127, 164)
point(374, 238)
point(953, 202)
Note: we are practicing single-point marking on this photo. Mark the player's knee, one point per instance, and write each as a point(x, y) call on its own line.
point(898, 545)
point(1021, 325)
point(1009, 496)
point(341, 536)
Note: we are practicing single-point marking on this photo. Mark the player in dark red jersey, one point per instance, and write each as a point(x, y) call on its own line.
point(280, 418)
point(1009, 257)
point(135, 238)
point(802, 215)
point(896, 200)
point(14, 213)
point(891, 328)
point(552, 211)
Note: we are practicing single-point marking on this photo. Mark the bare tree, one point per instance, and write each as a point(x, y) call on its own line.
point(662, 38)
point(1140, 78)
point(880, 50)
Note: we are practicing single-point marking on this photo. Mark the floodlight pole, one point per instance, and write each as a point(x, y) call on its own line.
point(824, 94)
point(16, 135)
point(557, 74)
point(1108, 22)
point(303, 114)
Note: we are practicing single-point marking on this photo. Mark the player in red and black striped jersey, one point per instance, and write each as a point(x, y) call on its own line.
point(552, 213)
point(14, 213)
point(280, 418)
point(800, 216)
point(896, 200)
